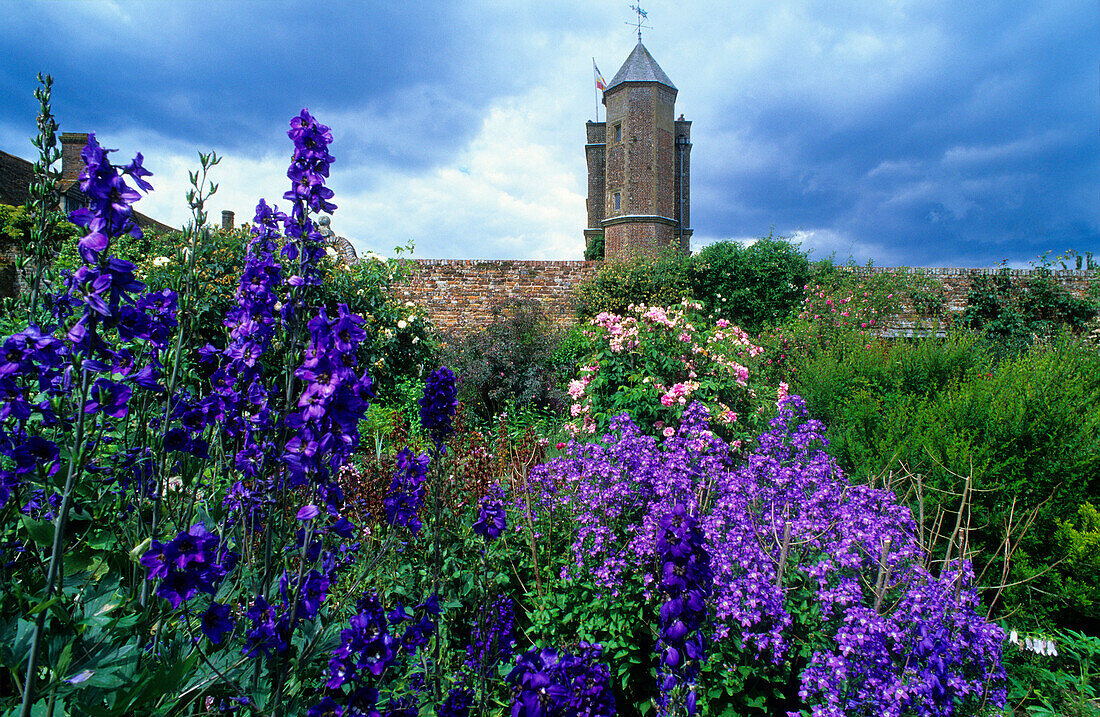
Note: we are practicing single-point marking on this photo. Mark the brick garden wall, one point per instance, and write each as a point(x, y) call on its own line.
point(459, 293)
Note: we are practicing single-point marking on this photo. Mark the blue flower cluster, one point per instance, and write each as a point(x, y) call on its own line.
point(194, 561)
point(368, 649)
point(858, 560)
point(28, 361)
point(333, 401)
point(546, 684)
point(458, 703)
point(109, 213)
point(491, 638)
point(308, 171)
point(322, 421)
point(492, 520)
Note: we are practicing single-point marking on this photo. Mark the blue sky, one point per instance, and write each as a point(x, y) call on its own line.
point(925, 132)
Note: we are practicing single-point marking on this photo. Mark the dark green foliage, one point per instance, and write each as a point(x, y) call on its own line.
point(618, 284)
point(508, 363)
point(579, 610)
point(569, 352)
point(594, 250)
point(751, 286)
point(1015, 314)
point(1027, 430)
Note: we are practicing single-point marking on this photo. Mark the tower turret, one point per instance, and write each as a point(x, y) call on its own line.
point(638, 191)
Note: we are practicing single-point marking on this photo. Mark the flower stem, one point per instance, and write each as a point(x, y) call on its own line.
point(75, 461)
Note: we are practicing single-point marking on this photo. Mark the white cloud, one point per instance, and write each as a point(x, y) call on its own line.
point(506, 194)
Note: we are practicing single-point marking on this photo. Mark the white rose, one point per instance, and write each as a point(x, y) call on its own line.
point(402, 324)
point(161, 261)
point(330, 252)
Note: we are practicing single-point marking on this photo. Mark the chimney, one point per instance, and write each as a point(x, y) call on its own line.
point(227, 220)
point(72, 144)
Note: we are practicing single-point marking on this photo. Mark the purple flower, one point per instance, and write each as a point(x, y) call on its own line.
point(491, 520)
point(308, 512)
point(366, 647)
point(193, 562)
point(109, 212)
point(108, 398)
point(491, 637)
point(458, 703)
point(686, 582)
point(26, 352)
point(438, 404)
point(216, 622)
point(328, 707)
point(265, 636)
point(407, 493)
point(548, 685)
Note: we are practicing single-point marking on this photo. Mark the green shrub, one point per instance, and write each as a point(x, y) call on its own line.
point(752, 286)
point(1013, 315)
point(16, 227)
point(618, 284)
point(594, 250)
point(401, 338)
point(509, 364)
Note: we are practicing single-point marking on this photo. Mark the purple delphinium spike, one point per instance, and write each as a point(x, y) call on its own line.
point(406, 496)
point(438, 404)
point(192, 562)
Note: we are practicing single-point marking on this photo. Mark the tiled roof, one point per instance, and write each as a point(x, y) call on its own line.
point(640, 67)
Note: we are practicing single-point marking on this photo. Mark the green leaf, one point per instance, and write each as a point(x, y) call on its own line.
point(41, 531)
point(43, 605)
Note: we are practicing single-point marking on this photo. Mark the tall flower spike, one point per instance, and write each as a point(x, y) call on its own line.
point(438, 404)
point(309, 168)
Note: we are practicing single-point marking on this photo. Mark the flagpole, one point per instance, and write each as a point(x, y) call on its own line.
point(596, 92)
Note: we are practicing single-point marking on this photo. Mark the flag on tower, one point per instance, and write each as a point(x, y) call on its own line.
point(601, 85)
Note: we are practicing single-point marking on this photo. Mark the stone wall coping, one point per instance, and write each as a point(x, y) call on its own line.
point(961, 271)
point(504, 263)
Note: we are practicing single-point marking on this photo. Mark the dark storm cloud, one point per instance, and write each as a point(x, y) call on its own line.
point(907, 131)
point(227, 75)
point(988, 151)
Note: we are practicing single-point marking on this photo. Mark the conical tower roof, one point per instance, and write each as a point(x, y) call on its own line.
point(640, 67)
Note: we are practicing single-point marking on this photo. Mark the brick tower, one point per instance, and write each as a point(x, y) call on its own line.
point(638, 164)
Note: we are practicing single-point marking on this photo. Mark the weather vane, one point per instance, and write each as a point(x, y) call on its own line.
point(642, 17)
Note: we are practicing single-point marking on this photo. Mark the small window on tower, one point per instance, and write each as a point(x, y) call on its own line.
point(616, 199)
point(619, 132)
